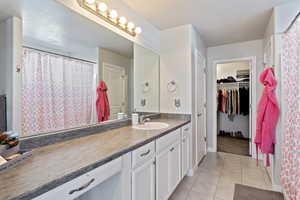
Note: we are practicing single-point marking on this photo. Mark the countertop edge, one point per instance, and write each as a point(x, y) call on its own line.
point(53, 184)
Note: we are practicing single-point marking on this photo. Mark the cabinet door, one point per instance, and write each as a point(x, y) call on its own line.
point(174, 166)
point(184, 155)
point(143, 182)
point(162, 175)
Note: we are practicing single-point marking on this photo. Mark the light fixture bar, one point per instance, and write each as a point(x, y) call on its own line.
point(119, 22)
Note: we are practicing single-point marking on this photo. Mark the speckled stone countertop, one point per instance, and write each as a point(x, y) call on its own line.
point(56, 164)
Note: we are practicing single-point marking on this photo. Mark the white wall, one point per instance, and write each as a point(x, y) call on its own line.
point(284, 14)
point(150, 36)
point(177, 63)
point(175, 59)
point(10, 60)
point(110, 57)
point(230, 69)
point(146, 69)
point(230, 51)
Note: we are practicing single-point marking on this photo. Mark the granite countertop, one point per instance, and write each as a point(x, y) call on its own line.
point(56, 164)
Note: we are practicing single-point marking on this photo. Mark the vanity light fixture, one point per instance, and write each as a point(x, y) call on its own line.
point(90, 1)
point(100, 9)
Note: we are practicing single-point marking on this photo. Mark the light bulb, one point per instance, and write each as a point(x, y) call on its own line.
point(123, 20)
point(113, 14)
point(90, 1)
point(138, 30)
point(102, 7)
point(130, 26)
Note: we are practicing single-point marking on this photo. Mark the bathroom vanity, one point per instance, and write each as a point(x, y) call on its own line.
point(123, 163)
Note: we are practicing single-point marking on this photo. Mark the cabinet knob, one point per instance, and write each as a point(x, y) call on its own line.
point(172, 149)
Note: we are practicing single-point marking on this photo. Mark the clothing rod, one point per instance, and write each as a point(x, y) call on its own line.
point(233, 83)
point(292, 23)
point(27, 47)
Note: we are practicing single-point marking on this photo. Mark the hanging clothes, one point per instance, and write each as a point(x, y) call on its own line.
point(267, 116)
point(234, 101)
point(244, 101)
point(102, 103)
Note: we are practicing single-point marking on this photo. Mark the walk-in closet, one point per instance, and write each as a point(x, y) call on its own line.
point(233, 113)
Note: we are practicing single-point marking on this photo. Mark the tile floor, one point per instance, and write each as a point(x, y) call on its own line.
point(216, 176)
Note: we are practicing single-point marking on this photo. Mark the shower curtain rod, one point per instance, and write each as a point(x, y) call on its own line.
point(292, 23)
point(27, 47)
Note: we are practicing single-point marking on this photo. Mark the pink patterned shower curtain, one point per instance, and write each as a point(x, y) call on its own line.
point(57, 92)
point(290, 176)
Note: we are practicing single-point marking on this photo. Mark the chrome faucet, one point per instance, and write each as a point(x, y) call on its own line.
point(143, 119)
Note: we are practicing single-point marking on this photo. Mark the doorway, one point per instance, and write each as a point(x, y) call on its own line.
point(116, 79)
point(234, 120)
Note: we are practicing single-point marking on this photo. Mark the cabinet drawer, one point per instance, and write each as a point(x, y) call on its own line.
point(143, 154)
point(84, 183)
point(165, 141)
point(186, 129)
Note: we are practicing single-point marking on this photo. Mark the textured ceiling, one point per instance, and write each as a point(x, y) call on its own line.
point(218, 21)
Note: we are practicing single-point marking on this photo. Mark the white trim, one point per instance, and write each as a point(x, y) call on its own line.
point(277, 188)
point(198, 53)
point(209, 149)
point(253, 98)
point(192, 171)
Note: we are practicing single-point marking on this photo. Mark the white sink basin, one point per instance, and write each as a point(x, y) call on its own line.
point(151, 126)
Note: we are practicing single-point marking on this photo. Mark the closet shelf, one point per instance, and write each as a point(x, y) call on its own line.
point(244, 83)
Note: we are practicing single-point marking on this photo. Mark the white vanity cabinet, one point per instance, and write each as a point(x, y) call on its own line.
point(150, 172)
point(168, 164)
point(185, 149)
point(143, 172)
point(90, 186)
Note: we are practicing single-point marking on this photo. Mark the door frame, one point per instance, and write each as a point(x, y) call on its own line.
point(198, 54)
point(252, 105)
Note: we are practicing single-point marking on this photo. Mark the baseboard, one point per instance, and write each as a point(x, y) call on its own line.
point(191, 172)
point(277, 188)
point(209, 149)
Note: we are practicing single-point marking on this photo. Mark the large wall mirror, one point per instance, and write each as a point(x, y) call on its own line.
point(77, 73)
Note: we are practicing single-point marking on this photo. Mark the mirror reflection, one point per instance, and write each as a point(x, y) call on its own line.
point(75, 72)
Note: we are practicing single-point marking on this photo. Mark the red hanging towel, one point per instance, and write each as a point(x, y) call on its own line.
point(102, 103)
point(267, 116)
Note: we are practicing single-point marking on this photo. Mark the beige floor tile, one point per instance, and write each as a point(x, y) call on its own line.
point(198, 196)
point(205, 187)
point(188, 181)
point(225, 191)
point(180, 193)
point(217, 175)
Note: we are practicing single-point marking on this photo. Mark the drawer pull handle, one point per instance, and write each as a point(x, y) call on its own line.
point(186, 129)
point(172, 149)
point(82, 187)
point(183, 140)
point(146, 153)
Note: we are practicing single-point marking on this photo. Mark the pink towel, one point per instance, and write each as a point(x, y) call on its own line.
point(267, 116)
point(102, 103)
